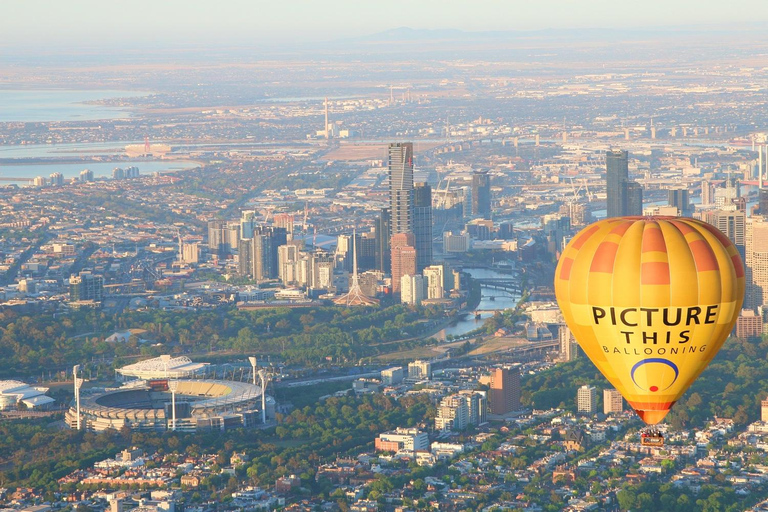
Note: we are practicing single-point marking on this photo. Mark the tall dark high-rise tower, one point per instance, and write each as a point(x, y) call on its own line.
point(678, 197)
point(617, 174)
point(422, 224)
point(763, 201)
point(481, 194)
point(401, 187)
point(258, 255)
point(634, 199)
point(383, 252)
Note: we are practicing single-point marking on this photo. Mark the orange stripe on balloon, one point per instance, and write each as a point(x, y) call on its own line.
point(703, 256)
point(737, 265)
point(653, 240)
point(565, 268)
point(584, 237)
point(683, 227)
point(651, 406)
point(656, 272)
point(604, 257)
point(621, 228)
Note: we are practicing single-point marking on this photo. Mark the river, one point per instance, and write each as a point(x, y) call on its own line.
point(491, 300)
point(41, 105)
point(100, 169)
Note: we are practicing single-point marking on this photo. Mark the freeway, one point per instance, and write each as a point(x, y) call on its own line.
point(315, 381)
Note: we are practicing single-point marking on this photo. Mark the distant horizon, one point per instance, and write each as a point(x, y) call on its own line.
point(387, 35)
point(171, 24)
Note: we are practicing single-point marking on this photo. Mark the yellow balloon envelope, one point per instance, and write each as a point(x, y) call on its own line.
point(650, 300)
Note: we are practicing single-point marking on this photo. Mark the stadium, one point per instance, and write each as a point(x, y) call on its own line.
point(146, 404)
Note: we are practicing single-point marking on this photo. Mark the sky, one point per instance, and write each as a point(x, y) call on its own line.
point(178, 22)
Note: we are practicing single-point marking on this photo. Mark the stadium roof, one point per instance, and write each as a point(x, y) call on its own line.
point(20, 392)
point(163, 367)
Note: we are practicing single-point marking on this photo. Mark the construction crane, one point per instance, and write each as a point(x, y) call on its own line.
point(441, 194)
point(268, 214)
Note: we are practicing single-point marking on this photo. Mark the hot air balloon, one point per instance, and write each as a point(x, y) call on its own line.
point(650, 300)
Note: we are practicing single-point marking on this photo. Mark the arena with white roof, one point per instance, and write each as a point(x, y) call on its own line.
point(13, 392)
point(163, 367)
point(145, 403)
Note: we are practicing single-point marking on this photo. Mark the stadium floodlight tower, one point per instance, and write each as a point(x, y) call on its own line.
point(264, 379)
point(78, 383)
point(173, 385)
point(166, 360)
point(252, 360)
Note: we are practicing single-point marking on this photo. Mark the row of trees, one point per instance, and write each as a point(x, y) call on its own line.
point(301, 336)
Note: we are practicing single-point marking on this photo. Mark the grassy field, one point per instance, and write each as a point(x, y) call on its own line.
point(491, 345)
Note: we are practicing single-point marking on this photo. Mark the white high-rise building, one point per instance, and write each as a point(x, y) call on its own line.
point(756, 263)
point(434, 281)
point(586, 399)
point(418, 370)
point(190, 253)
point(613, 402)
point(287, 259)
point(453, 413)
point(458, 411)
point(411, 289)
point(568, 347)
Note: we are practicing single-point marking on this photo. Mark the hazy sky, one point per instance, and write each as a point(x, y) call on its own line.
point(97, 22)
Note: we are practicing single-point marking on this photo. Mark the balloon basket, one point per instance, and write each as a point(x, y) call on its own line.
point(651, 437)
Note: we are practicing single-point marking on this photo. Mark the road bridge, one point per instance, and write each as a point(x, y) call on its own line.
point(499, 284)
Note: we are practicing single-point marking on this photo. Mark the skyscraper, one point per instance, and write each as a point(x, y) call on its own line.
point(435, 281)
point(679, 197)
point(586, 399)
point(505, 390)
point(617, 176)
point(733, 224)
point(383, 235)
point(613, 402)
point(569, 349)
point(284, 220)
point(453, 413)
point(366, 252)
point(218, 238)
point(287, 256)
point(756, 262)
point(481, 194)
point(763, 201)
point(245, 257)
point(401, 187)
point(247, 223)
point(634, 199)
point(403, 258)
point(258, 255)
point(411, 289)
point(422, 224)
point(86, 286)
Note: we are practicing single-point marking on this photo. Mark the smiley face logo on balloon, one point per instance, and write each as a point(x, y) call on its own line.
point(654, 374)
